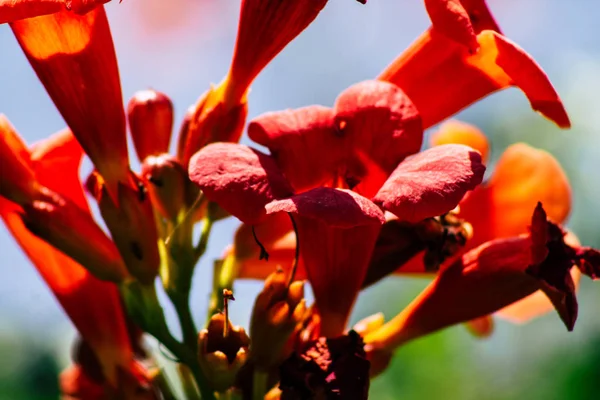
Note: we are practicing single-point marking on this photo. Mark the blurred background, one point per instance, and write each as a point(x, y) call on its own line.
point(181, 46)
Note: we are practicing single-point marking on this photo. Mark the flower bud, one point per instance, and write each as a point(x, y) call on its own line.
point(278, 309)
point(131, 224)
point(150, 117)
point(168, 182)
point(222, 351)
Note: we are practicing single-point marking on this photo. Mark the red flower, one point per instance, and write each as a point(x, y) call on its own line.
point(444, 70)
point(74, 59)
point(41, 192)
point(321, 152)
point(264, 29)
point(491, 277)
point(93, 305)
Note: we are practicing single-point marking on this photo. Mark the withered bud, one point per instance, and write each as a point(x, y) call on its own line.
point(222, 356)
point(328, 369)
point(168, 182)
point(278, 309)
point(150, 117)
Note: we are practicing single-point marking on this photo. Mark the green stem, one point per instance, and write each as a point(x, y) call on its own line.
point(259, 385)
point(187, 357)
point(207, 224)
point(164, 386)
point(181, 302)
point(190, 388)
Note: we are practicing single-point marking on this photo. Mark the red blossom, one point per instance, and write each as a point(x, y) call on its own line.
point(492, 276)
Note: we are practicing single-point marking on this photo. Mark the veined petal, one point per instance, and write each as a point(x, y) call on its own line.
point(337, 231)
point(93, 305)
point(17, 182)
point(240, 179)
point(450, 18)
point(74, 58)
point(264, 29)
point(431, 183)
point(441, 77)
point(458, 132)
point(302, 141)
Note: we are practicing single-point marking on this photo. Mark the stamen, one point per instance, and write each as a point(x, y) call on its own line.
point(227, 295)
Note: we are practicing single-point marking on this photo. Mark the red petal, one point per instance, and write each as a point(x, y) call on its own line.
point(450, 18)
point(74, 58)
point(441, 77)
point(336, 207)
point(302, 141)
point(337, 231)
point(240, 179)
point(56, 161)
point(480, 15)
point(17, 182)
point(94, 306)
point(372, 128)
point(381, 127)
point(214, 118)
point(265, 28)
point(431, 183)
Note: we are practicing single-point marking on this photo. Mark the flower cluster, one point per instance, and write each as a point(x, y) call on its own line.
point(344, 198)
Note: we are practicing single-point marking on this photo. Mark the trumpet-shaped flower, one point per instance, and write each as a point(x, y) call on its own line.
point(317, 154)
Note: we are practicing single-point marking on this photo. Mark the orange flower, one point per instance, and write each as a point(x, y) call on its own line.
point(70, 52)
point(491, 277)
point(264, 29)
point(442, 75)
point(94, 306)
point(500, 207)
point(42, 191)
point(75, 60)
